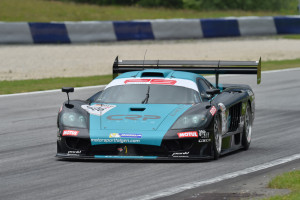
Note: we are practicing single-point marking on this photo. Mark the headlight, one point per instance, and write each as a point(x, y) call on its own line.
point(190, 121)
point(73, 120)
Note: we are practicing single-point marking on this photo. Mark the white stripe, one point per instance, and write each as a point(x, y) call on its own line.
point(179, 82)
point(89, 87)
point(192, 185)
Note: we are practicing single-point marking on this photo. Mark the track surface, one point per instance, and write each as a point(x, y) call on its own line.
point(29, 169)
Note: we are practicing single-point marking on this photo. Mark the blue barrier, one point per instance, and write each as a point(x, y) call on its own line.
point(220, 27)
point(287, 25)
point(49, 33)
point(131, 30)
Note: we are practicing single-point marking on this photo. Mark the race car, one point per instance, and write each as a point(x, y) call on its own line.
point(161, 110)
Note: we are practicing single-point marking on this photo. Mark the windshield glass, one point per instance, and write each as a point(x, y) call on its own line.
point(151, 94)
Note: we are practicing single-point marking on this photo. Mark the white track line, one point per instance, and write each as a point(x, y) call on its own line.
point(89, 87)
point(192, 185)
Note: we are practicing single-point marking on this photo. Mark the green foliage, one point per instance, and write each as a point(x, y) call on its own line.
point(249, 5)
point(161, 3)
point(272, 5)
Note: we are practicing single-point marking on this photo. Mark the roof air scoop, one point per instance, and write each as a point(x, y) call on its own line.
point(152, 74)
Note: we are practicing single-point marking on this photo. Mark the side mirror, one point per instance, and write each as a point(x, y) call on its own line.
point(67, 90)
point(213, 91)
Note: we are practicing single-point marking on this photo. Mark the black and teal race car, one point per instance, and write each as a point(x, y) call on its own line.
point(161, 109)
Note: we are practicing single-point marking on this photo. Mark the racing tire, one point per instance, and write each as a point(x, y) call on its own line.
point(247, 130)
point(217, 139)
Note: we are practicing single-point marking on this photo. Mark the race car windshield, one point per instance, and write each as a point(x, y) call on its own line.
point(151, 94)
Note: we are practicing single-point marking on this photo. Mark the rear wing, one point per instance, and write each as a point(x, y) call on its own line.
point(194, 66)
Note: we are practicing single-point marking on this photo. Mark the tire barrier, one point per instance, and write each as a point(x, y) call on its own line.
point(160, 29)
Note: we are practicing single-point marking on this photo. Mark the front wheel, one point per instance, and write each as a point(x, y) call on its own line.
point(217, 143)
point(247, 131)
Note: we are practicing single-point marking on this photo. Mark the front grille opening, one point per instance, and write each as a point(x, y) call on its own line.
point(78, 143)
point(178, 145)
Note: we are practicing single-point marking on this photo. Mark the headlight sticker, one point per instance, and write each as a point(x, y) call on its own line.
point(98, 109)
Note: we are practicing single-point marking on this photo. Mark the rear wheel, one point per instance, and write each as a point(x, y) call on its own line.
point(247, 131)
point(217, 144)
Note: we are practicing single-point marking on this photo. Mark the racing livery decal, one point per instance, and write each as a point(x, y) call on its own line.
point(70, 133)
point(98, 109)
point(187, 134)
point(213, 111)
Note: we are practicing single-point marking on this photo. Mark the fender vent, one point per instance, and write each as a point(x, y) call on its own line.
point(235, 114)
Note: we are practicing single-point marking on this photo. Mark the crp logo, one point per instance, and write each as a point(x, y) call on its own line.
point(132, 117)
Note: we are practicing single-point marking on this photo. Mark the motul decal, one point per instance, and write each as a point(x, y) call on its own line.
point(187, 134)
point(70, 133)
point(213, 111)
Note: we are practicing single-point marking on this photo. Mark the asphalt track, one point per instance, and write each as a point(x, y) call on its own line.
point(29, 170)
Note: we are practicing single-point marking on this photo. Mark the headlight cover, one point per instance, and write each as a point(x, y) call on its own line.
point(73, 119)
point(190, 121)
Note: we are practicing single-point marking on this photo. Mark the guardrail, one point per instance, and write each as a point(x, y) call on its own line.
point(161, 29)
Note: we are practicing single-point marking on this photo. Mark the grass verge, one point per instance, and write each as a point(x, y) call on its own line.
point(51, 10)
point(289, 180)
point(11, 87)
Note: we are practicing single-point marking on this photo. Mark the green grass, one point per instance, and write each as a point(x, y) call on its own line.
point(289, 180)
point(10, 87)
point(293, 37)
point(49, 10)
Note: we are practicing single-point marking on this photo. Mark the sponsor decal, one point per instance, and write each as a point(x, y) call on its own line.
point(116, 140)
point(181, 154)
point(151, 81)
point(213, 111)
point(70, 133)
point(132, 117)
point(124, 135)
point(203, 134)
point(74, 152)
point(187, 134)
point(203, 140)
point(98, 109)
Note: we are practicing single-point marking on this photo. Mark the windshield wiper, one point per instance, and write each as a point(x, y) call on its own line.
point(147, 96)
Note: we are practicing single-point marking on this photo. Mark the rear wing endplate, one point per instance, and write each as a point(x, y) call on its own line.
point(194, 66)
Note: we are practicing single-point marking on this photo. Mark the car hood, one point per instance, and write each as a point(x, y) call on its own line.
point(130, 117)
point(132, 123)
